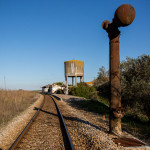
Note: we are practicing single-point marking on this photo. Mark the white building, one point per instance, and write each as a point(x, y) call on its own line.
point(46, 88)
point(52, 88)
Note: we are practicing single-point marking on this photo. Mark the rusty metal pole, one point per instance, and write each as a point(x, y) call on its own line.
point(124, 16)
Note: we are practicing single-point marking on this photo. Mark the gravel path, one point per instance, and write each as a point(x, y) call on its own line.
point(45, 132)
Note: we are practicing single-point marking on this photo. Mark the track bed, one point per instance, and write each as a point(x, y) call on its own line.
point(45, 131)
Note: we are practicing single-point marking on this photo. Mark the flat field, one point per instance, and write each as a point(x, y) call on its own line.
point(12, 102)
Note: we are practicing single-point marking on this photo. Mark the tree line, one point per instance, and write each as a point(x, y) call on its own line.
point(135, 84)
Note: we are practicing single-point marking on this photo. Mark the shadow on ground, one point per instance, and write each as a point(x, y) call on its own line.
point(89, 106)
point(74, 104)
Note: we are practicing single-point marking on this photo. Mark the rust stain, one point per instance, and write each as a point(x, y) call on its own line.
point(128, 142)
point(124, 16)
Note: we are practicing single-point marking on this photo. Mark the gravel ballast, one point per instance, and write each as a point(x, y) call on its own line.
point(88, 130)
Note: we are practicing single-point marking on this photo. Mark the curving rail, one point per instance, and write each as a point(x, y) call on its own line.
point(69, 144)
point(13, 146)
point(66, 137)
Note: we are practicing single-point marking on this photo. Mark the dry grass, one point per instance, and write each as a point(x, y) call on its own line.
point(14, 102)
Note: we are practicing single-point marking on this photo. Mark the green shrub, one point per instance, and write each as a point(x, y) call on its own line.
point(83, 90)
point(59, 91)
point(135, 83)
point(59, 83)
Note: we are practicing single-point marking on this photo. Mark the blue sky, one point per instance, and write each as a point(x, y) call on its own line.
point(37, 36)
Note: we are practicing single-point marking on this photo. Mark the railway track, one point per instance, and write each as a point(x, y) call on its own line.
point(46, 130)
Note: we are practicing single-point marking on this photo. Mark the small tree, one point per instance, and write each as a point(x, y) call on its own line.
point(59, 83)
point(103, 77)
point(102, 82)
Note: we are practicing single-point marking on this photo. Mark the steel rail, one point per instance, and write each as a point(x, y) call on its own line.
point(14, 145)
point(68, 138)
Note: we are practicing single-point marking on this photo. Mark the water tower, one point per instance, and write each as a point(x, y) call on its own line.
point(74, 69)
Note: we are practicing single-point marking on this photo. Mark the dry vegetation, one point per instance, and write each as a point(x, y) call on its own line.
point(14, 102)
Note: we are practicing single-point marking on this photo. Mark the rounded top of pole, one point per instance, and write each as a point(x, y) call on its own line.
point(105, 24)
point(124, 15)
